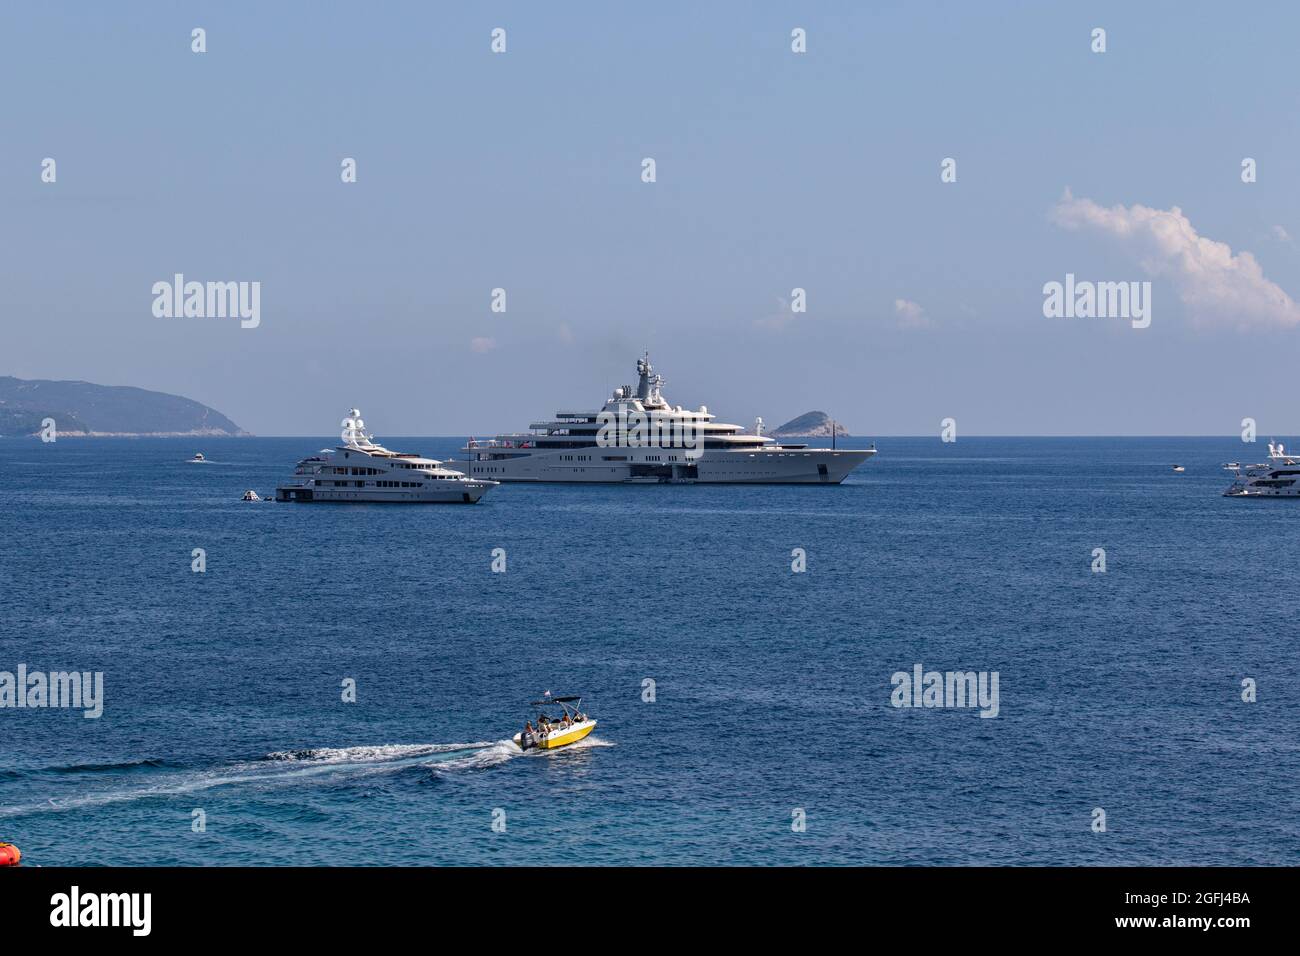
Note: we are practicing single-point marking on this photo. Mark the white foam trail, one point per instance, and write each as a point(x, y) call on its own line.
point(504, 750)
point(381, 752)
point(489, 756)
point(289, 767)
point(282, 768)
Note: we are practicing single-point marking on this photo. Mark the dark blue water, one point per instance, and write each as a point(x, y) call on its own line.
point(1119, 690)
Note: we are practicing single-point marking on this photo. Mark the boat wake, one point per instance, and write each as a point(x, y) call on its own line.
point(316, 766)
point(382, 752)
point(488, 756)
point(504, 750)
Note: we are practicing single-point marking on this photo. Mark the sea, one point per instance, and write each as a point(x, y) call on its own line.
point(337, 684)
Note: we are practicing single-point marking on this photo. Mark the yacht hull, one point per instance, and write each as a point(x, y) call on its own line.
point(466, 493)
point(793, 467)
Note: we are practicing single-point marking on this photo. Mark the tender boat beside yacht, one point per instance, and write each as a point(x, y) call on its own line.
point(361, 470)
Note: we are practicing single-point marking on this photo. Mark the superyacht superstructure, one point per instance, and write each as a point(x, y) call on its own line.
point(362, 470)
point(637, 436)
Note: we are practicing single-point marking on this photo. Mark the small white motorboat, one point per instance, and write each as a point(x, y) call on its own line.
point(198, 458)
point(251, 495)
point(1179, 469)
point(555, 729)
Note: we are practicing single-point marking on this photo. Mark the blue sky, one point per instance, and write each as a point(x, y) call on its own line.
point(775, 170)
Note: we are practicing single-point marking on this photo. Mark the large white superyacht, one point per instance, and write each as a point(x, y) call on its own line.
point(638, 437)
point(362, 470)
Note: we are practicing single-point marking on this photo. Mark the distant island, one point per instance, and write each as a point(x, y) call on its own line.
point(83, 409)
point(809, 425)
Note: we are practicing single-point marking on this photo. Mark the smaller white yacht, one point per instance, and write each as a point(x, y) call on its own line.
point(198, 458)
point(1275, 478)
point(361, 470)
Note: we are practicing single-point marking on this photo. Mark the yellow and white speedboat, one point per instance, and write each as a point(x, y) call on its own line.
point(554, 730)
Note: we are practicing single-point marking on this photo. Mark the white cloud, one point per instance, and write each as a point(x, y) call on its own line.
point(1280, 233)
point(911, 315)
point(481, 345)
point(1214, 284)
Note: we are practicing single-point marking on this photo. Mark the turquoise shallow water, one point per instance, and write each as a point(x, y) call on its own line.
point(772, 689)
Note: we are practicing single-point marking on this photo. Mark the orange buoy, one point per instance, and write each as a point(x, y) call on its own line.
point(10, 855)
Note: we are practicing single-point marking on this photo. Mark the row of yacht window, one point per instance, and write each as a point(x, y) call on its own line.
point(384, 484)
point(343, 470)
point(372, 484)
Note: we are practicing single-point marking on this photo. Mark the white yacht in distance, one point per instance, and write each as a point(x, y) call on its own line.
point(638, 437)
point(361, 470)
point(1275, 478)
